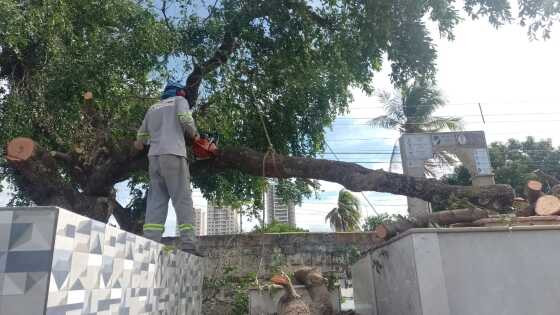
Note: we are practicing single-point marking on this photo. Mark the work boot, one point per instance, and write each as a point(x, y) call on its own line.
point(190, 244)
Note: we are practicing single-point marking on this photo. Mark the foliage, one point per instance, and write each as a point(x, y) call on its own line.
point(460, 176)
point(235, 287)
point(374, 220)
point(514, 163)
point(291, 63)
point(277, 227)
point(411, 110)
point(346, 216)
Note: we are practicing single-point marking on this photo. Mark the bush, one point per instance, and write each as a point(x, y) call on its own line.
point(277, 227)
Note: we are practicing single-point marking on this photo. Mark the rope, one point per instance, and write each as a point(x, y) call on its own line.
point(270, 149)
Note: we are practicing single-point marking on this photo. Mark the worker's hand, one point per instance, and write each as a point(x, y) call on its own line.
point(196, 137)
point(139, 145)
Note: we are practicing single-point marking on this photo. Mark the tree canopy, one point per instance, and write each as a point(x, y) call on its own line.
point(287, 65)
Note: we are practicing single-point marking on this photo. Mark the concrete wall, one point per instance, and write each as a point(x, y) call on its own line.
point(463, 271)
point(263, 252)
point(56, 262)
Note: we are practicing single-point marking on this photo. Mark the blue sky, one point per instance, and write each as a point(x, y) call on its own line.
point(514, 79)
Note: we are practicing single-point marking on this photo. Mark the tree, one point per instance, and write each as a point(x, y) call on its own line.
point(516, 162)
point(346, 216)
point(374, 220)
point(254, 66)
point(277, 227)
point(460, 176)
point(411, 111)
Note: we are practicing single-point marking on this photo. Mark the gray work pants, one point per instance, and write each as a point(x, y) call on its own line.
point(169, 178)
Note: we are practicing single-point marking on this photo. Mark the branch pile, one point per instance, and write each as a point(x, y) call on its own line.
point(538, 206)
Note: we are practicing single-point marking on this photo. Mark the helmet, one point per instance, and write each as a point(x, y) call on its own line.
point(171, 90)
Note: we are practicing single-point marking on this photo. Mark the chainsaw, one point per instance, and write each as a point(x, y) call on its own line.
point(206, 147)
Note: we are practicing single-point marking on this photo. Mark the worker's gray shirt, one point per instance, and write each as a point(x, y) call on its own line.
point(164, 127)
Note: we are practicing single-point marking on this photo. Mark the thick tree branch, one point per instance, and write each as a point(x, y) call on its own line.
point(354, 177)
point(388, 230)
point(200, 70)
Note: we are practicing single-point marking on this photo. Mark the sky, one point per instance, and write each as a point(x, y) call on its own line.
point(514, 79)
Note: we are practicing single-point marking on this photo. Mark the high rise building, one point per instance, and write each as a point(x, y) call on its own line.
point(222, 220)
point(277, 209)
point(200, 221)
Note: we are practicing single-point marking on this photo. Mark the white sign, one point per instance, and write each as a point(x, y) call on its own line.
point(482, 162)
point(418, 147)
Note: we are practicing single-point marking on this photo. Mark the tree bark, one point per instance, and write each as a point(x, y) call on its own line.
point(548, 205)
point(352, 176)
point(534, 192)
point(42, 181)
point(386, 231)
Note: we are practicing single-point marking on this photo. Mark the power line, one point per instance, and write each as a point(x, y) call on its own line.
point(466, 115)
point(363, 195)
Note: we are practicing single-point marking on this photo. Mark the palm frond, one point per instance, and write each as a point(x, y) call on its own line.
point(384, 122)
point(438, 123)
point(421, 101)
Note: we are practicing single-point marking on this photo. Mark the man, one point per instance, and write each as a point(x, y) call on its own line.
point(163, 128)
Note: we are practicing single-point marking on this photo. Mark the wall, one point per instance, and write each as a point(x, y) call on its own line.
point(462, 271)
point(263, 252)
point(53, 261)
point(261, 255)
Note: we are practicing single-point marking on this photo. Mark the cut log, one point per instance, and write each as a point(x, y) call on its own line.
point(534, 191)
point(548, 205)
point(20, 149)
point(386, 231)
point(448, 217)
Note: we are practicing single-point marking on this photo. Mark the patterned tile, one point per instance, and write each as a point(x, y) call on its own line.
point(5, 231)
point(22, 261)
point(95, 269)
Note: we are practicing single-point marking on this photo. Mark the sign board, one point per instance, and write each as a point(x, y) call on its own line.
point(468, 146)
point(482, 162)
point(418, 147)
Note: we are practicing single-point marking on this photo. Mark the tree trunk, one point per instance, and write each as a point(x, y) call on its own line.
point(42, 181)
point(386, 231)
point(42, 176)
point(548, 205)
point(353, 177)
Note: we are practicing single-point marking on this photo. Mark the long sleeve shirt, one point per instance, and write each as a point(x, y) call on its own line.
point(164, 127)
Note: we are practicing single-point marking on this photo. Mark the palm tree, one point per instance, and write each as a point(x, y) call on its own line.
point(411, 110)
point(345, 217)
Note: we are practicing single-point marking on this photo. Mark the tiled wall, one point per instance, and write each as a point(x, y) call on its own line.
point(55, 262)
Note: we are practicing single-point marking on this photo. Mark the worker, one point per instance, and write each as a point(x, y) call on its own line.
point(163, 129)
